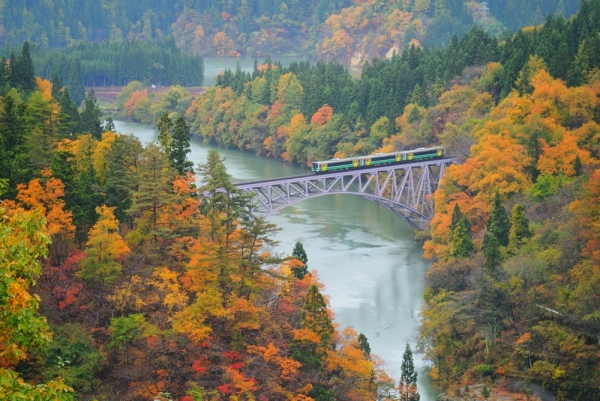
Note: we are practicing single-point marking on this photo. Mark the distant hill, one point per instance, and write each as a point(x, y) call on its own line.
point(349, 31)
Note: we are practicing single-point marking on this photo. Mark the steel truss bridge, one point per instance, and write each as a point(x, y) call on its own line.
point(405, 189)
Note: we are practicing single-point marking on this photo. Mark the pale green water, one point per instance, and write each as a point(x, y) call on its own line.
point(213, 66)
point(373, 271)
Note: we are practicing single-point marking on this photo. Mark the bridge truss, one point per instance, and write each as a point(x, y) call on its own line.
point(405, 189)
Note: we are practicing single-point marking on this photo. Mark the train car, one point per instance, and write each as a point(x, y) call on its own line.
point(379, 159)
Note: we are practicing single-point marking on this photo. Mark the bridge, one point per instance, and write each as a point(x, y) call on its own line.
point(405, 189)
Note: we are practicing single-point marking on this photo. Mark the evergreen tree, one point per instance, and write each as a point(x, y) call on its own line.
point(25, 74)
point(499, 223)
point(519, 229)
point(457, 215)
point(491, 252)
point(300, 254)
point(109, 125)
point(122, 162)
point(363, 344)
point(74, 82)
point(56, 88)
point(13, 78)
point(164, 133)
point(408, 390)
point(462, 244)
point(91, 116)
point(13, 137)
point(69, 114)
point(82, 192)
point(315, 316)
point(180, 147)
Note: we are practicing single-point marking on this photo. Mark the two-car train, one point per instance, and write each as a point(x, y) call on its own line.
point(378, 159)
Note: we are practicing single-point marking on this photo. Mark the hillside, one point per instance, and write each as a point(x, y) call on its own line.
point(349, 31)
point(512, 292)
point(123, 279)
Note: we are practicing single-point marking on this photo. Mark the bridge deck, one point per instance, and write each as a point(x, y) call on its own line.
point(406, 188)
point(364, 170)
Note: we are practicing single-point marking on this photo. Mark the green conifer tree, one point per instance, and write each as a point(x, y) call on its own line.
point(74, 82)
point(109, 125)
point(300, 254)
point(462, 244)
point(408, 390)
point(56, 88)
point(24, 70)
point(315, 316)
point(499, 223)
point(363, 344)
point(491, 252)
point(519, 230)
point(13, 151)
point(13, 78)
point(91, 116)
point(164, 133)
point(456, 216)
point(69, 114)
point(180, 147)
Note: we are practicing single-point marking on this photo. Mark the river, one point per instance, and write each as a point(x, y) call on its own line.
point(373, 271)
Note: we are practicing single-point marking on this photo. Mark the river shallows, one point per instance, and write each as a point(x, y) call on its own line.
point(373, 271)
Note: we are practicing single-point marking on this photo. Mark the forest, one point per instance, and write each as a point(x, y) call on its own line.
point(123, 278)
point(89, 64)
point(512, 291)
point(130, 273)
point(347, 31)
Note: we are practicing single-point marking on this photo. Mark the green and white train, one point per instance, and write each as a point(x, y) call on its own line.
point(379, 159)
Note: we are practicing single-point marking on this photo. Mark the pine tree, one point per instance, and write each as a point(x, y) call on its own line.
point(462, 244)
point(69, 114)
point(13, 152)
point(499, 223)
point(109, 125)
point(122, 162)
point(519, 230)
point(300, 254)
point(24, 70)
point(164, 133)
point(180, 147)
point(457, 215)
point(91, 116)
point(363, 344)
point(56, 88)
point(13, 77)
point(75, 82)
point(408, 390)
point(315, 316)
point(491, 252)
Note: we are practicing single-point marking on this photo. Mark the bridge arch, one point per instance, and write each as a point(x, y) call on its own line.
point(405, 189)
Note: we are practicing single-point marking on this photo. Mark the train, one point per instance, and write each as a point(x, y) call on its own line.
point(378, 159)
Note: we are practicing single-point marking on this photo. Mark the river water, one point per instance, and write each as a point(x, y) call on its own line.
point(373, 271)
